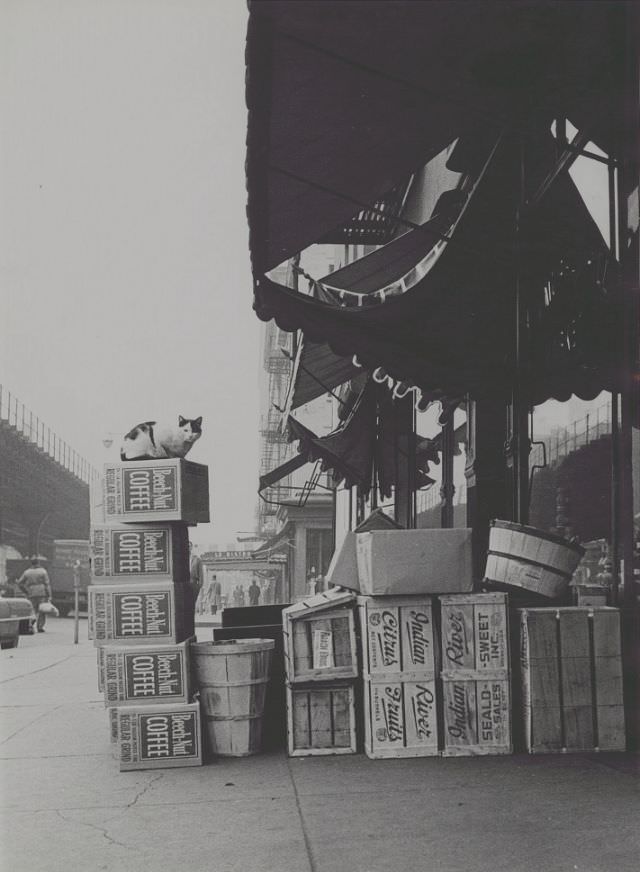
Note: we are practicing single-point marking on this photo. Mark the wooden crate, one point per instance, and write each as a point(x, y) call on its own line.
point(475, 635)
point(477, 716)
point(571, 672)
point(155, 552)
point(397, 635)
point(156, 490)
point(400, 716)
point(145, 673)
point(159, 737)
point(140, 612)
point(320, 639)
point(321, 719)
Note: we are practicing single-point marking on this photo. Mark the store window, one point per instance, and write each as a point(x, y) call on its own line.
point(319, 553)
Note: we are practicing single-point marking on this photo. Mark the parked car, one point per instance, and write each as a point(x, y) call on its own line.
point(16, 617)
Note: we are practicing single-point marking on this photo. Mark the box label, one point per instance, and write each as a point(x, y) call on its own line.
point(383, 626)
point(420, 713)
point(168, 735)
point(155, 675)
point(141, 552)
point(457, 637)
point(490, 632)
point(460, 713)
point(493, 713)
point(142, 614)
point(417, 637)
point(149, 490)
point(323, 649)
point(387, 714)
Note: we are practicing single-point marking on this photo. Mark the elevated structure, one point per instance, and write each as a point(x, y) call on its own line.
point(44, 485)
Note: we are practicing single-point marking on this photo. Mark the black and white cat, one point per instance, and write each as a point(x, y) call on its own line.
point(151, 441)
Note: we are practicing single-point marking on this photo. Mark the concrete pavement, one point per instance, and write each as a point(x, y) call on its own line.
point(65, 805)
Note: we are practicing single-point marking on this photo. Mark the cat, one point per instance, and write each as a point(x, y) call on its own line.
point(151, 441)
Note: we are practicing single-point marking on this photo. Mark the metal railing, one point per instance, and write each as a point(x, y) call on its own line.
point(560, 443)
point(33, 430)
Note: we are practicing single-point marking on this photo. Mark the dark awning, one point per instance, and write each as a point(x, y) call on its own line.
point(452, 332)
point(318, 368)
point(346, 99)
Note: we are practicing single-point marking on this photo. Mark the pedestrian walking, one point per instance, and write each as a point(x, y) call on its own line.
point(215, 595)
point(254, 593)
point(34, 583)
point(196, 578)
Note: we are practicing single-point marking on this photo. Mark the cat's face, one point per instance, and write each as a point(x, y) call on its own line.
point(191, 428)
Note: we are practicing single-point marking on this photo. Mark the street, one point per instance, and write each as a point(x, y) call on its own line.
point(66, 807)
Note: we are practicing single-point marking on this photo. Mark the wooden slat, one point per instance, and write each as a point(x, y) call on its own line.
point(611, 728)
point(543, 728)
point(321, 721)
point(342, 732)
point(342, 651)
point(300, 706)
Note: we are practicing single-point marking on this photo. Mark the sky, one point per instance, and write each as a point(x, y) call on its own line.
point(124, 269)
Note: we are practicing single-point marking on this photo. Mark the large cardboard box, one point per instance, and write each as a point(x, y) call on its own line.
point(142, 611)
point(146, 673)
point(343, 569)
point(158, 737)
point(571, 673)
point(157, 552)
point(156, 490)
point(393, 562)
point(400, 716)
point(397, 635)
point(475, 635)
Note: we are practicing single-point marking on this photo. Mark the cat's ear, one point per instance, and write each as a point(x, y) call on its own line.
point(181, 421)
point(197, 422)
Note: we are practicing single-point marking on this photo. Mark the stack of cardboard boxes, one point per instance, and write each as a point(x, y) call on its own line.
point(141, 608)
point(434, 657)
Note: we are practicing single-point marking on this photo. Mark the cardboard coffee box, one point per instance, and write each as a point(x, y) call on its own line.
point(477, 716)
point(156, 552)
point(141, 611)
point(159, 736)
point(397, 635)
point(395, 562)
point(146, 673)
point(156, 490)
point(475, 635)
point(400, 716)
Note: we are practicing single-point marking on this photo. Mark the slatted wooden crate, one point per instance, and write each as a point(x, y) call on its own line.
point(400, 716)
point(140, 612)
point(571, 671)
point(319, 638)
point(157, 552)
point(321, 719)
point(477, 716)
point(397, 635)
point(156, 490)
point(145, 673)
point(475, 635)
point(159, 737)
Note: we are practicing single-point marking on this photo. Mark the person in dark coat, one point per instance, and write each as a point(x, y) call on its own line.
point(34, 583)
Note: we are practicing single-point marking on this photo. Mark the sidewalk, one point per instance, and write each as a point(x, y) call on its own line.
point(66, 807)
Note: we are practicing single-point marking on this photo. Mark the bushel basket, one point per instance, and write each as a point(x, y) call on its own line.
point(530, 559)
